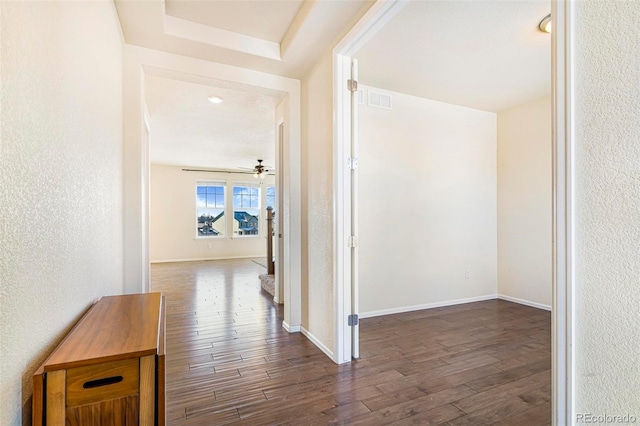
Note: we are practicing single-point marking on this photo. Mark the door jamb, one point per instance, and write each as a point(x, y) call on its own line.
point(563, 312)
point(136, 59)
point(375, 18)
point(563, 309)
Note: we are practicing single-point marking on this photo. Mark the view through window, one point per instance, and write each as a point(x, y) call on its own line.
point(246, 210)
point(210, 206)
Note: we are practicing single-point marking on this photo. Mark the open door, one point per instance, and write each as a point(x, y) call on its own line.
point(354, 323)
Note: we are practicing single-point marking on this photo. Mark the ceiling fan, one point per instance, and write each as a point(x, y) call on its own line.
point(259, 170)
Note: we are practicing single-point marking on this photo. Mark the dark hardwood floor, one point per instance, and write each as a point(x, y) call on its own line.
point(230, 362)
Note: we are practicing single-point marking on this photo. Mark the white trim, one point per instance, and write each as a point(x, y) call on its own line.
point(136, 60)
point(219, 37)
point(317, 342)
point(442, 304)
point(145, 140)
point(291, 328)
point(355, 298)
point(342, 209)
point(563, 312)
point(199, 259)
point(524, 302)
point(373, 20)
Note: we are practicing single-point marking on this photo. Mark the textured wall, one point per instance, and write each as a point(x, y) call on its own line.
point(524, 202)
point(60, 179)
point(173, 215)
point(427, 204)
point(607, 114)
point(317, 136)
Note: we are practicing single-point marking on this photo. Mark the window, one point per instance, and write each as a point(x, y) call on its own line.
point(210, 209)
point(271, 196)
point(246, 210)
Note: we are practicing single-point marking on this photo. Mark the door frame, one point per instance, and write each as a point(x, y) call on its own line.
point(376, 17)
point(563, 280)
point(136, 205)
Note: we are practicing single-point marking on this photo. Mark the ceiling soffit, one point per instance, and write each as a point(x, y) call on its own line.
point(266, 20)
point(282, 37)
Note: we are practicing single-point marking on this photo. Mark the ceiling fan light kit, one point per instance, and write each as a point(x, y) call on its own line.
point(545, 24)
point(260, 171)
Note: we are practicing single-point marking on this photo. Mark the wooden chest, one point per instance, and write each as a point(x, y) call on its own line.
point(109, 370)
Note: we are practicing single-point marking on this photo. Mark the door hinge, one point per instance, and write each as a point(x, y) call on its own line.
point(353, 241)
point(352, 163)
point(352, 85)
point(352, 320)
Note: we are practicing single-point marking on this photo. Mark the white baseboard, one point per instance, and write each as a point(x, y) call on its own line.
point(426, 306)
point(524, 302)
point(290, 328)
point(207, 258)
point(317, 342)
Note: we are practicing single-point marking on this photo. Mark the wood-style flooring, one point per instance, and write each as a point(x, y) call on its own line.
point(230, 362)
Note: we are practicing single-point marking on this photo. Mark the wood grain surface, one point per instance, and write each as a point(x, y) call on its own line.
point(229, 361)
point(77, 394)
point(114, 412)
point(56, 397)
point(116, 327)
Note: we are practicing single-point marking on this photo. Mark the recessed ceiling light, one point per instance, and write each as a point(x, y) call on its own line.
point(545, 24)
point(215, 99)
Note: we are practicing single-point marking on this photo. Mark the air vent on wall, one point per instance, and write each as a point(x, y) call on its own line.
point(361, 96)
point(379, 100)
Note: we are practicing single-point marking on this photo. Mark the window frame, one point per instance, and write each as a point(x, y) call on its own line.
point(258, 188)
point(214, 183)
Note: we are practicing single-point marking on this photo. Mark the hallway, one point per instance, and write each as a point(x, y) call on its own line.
point(230, 361)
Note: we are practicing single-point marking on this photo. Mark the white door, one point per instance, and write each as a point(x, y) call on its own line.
point(355, 327)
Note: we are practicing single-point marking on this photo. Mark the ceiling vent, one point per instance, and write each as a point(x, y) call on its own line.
point(379, 100)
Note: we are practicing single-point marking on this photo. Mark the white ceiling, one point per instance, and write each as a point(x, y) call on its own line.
point(282, 37)
point(265, 19)
point(188, 130)
point(482, 54)
point(487, 55)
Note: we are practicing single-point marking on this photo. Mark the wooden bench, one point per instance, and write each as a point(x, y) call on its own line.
point(109, 370)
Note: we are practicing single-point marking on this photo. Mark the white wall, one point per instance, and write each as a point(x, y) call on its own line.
point(524, 203)
point(427, 204)
point(607, 114)
point(173, 217)
point(61, 179)
point(317, 205)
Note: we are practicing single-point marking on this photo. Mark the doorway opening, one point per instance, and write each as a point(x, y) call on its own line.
point(212, 174)
point(142, 64)
point(346, 136)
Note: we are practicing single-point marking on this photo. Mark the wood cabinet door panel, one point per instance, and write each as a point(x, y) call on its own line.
point(101, 382)
point(115, 412)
